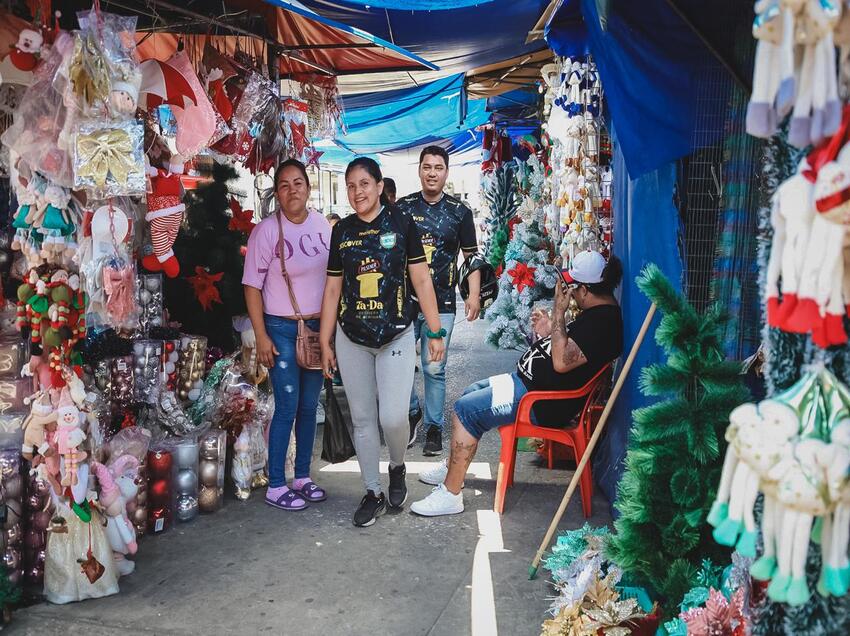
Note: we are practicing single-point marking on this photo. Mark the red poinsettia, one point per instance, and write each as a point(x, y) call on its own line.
point(204, 285)
point(242, 220)
point(522, 276)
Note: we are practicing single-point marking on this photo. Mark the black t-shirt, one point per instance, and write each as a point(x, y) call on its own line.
point(598, 332)
point(446, 227)
point(372, 259)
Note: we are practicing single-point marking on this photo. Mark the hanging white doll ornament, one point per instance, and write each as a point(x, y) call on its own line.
point(795, 449)
point(804, 29)
point(807, 285)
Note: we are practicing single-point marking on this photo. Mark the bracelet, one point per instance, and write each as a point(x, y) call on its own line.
point(440, 334)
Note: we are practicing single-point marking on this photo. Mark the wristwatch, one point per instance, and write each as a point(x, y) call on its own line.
point(440, 334)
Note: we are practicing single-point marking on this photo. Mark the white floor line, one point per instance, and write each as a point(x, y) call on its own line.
point(483, 610)
point(480, 470)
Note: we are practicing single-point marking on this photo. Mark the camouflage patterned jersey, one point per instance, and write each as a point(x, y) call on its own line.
point(372, 258)
point(446, 227)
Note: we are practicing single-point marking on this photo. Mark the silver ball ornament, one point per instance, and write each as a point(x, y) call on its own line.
point(186, 455)
point(187, 508)
point(186, 482)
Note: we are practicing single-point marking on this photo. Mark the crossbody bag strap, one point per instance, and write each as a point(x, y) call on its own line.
point(282, 251)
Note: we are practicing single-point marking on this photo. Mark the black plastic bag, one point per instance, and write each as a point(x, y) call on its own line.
point(336, 440)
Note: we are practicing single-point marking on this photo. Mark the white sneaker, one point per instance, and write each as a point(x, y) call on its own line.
point(439, 502)
point(436, 475)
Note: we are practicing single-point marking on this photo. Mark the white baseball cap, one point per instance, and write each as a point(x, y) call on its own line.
point(586, 268)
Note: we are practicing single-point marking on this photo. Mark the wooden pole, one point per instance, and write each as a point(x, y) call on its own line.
point(532, 570)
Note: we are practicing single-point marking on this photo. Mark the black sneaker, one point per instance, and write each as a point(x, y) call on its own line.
point(371, 507)
point(433, 442)
point(414, 419)
point(398, 488)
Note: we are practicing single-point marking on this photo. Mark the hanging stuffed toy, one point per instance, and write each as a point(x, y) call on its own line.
point(23, 58)
point(795, 449)
point(165, 213)
point(69, 436)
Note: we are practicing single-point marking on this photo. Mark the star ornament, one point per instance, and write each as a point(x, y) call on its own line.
point(522, 276)
point(203, 284)
point(313, 156)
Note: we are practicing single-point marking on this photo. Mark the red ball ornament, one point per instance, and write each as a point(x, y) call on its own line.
point(159, 464)
point(160, 492)
point(169, 347)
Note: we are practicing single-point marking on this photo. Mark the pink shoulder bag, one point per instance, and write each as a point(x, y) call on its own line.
point(308, 351)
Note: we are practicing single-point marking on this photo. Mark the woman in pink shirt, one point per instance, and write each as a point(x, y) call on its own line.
point(306, 236)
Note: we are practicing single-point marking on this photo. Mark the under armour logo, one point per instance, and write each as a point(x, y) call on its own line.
point(396, 353)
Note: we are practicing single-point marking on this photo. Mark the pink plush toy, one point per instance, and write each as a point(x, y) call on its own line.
point(117, 487)
point(69, 435)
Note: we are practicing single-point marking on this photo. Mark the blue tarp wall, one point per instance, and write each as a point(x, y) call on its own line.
point(646, 231)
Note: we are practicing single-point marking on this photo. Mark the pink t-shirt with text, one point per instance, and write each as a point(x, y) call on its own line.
point(306, 247)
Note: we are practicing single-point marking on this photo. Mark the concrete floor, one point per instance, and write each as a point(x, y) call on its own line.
point(252, 569)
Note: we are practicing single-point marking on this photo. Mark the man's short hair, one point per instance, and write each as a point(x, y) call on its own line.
point(436, 151)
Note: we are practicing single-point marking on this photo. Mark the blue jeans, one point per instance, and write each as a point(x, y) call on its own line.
point(434, 372)
point(479, 412)
point(296, 398)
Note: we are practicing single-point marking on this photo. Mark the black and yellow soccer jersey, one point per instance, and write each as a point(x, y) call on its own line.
point(446, 227)
point(372, 258)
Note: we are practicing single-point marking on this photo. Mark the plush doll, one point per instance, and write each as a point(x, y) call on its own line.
point(117, 487)
point(26, 199)
point(55, 224)
point(165, 213)
point(25, 54)
point(69, 436)
point(37, 427)
point(124, 95)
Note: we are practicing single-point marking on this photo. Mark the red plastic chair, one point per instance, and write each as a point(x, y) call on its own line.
point(576, 437)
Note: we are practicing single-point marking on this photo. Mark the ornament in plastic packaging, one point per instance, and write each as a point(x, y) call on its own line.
point(109, 159)
point(150, 301)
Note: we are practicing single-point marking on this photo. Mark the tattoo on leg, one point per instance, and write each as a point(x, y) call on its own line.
point(462, 454)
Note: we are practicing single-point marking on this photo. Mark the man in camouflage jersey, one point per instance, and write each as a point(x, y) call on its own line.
point(446, 227)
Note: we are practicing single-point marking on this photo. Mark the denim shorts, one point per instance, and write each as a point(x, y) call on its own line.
point(479, 412)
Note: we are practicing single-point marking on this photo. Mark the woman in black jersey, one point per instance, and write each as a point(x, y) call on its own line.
point(376, 256)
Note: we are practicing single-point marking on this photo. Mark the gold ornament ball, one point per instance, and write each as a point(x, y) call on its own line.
point(208, 499)
point(140, 516)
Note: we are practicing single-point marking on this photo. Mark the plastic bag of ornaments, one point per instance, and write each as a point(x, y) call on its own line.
point(211, 470)
point(150, 301)
point(11, 502)
point(38, 511)
point(13, 356)
point(147, 370)
point(160, 488)
point(133, 441)
point(191, 367)
point(186, 455)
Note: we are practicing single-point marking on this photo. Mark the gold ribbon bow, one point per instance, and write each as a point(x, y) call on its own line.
point(104, 151)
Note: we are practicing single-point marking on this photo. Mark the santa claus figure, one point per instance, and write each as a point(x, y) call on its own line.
point(165, 213)
point(25, 54)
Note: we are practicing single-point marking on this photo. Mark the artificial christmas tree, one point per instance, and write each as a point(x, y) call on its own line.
point(500, 195)
point(208, 292)
point(676, 448)
point(525, 279)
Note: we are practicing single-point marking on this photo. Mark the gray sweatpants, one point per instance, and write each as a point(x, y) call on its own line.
point(377, 384)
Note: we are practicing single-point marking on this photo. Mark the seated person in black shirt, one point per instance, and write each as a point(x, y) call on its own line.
point(565, 358)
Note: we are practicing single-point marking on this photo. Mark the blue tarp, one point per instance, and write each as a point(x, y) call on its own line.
point(416, 116)
point(646, 230)
point(418, 5)
point(467, 38)
point(650, 63)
